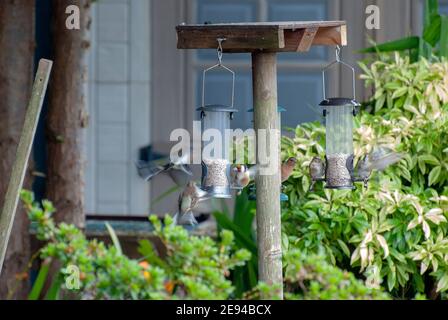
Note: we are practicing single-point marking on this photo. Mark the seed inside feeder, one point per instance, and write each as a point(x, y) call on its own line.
point(337, 174)
point(216, 172)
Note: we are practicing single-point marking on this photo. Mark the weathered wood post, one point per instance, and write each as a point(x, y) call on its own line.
point(23, 152)
point(264, 40)
point(264, 78)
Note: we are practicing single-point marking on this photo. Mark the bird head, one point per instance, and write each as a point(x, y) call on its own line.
point(291, 161)
point(241, 168)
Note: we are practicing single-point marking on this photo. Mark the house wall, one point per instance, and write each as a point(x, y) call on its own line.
point(119, 107)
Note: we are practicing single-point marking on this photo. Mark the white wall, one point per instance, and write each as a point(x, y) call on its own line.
point(119, 107)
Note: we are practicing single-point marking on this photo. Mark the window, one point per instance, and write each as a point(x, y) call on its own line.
point(299, 76)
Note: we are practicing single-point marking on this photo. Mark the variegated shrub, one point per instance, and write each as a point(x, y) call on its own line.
point(395, 233)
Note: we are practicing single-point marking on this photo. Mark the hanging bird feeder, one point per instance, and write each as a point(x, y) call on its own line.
point(216, 166)
point(338, 113)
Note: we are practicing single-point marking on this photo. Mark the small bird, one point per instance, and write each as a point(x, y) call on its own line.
point(377, 160)
point(190, 197)
point(178, 169)
point(287, 168)
point(242, 176)
point(317, 171)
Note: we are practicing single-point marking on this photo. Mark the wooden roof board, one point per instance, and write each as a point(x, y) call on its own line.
point(286, 36)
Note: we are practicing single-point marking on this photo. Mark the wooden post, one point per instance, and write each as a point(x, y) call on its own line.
point(264, 40)
point(264, 75)
point(23, 153)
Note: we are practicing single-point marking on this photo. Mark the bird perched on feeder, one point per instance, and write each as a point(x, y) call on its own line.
point(287, 168)
point(378, 160)
point(242, 176)
point(177, 169)
point(190, 197)
point(317, 171)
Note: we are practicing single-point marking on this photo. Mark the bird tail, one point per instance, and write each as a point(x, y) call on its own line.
point(386, 161)
point(147, 171)
point(185, 219)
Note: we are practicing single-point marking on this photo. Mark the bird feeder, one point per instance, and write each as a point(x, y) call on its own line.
point(216, 117)
point(264, 40)
point(339, 113)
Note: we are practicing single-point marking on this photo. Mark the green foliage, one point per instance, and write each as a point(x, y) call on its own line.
point(311, 277)
point(191, 267)
point(245, 277)
point(432, 42)
point(197, 266)
point(395, 233)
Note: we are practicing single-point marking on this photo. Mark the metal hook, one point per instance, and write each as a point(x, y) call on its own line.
point(338, 60)
point(220, 50)
point(218, 65)
point(338, 51)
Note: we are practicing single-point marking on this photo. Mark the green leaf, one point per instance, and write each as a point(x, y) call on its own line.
point(146, 249)
point(434, 175)
point(241, 238)
point(391, 279)
point(379, 103)
point(344, 247)
point(444, 37)
point(244, 212)
point(114, 238)
point(431, 33)
point(40, 280)
point(442, 284)
point(53, 292)
point(428, 158)
point(431, 9)
point(396, 45)
point(399, 92)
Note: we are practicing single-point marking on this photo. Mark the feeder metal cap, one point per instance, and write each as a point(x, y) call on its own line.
point(339, 102)
point(217, 108)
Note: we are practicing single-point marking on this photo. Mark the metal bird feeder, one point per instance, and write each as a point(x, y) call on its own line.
point(216, 166)
point(338, 113)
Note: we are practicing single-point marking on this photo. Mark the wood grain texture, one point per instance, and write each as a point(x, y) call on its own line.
point(264, 74)
point(17, 41)
point(267, 36)
point(67, 116)
point(307, 38)
point(23, 153)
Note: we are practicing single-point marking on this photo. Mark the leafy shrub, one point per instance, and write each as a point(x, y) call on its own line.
point(311, 277)
point(192, 267)
point(395, 233)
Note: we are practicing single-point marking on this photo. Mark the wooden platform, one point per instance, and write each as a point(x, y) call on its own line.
point(288, 36)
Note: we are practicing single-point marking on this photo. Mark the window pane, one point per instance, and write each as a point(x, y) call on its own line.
point(299, 93)
point(225, 11)
point(218, 89)
point(289, 10)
